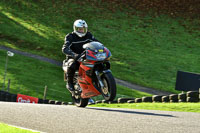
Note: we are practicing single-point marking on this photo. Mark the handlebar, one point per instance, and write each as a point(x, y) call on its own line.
point(82, 56)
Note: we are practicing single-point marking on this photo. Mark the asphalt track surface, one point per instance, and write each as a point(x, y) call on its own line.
point(71, 119)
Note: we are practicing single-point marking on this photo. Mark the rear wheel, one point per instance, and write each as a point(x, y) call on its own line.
point(80, 102)
point(109, 90)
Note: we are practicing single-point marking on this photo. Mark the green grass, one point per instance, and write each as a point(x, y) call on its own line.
point(126, 92)
point(123, 92)
point(147, 50)
point(181, 107)
point(4, 128)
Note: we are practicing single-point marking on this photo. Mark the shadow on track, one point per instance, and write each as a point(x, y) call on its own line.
point(130, 112)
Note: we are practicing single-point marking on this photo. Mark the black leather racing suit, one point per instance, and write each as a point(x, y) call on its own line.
point(73, 46)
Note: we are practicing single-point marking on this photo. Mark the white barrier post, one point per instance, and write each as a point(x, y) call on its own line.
point(4, 79)
point(45, 92)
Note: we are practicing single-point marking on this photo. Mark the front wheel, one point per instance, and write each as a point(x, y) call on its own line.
point(109, 89)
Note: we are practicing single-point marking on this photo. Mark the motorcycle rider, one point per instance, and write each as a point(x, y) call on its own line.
point(73, 47)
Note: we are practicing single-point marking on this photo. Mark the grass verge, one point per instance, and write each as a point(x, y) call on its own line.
point(4, 128)
point(125, 92)
point(181, 107)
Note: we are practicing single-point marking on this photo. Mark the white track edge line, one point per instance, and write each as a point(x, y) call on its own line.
point(25, 128)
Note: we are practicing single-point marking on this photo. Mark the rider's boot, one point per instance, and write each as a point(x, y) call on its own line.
point(70, 85)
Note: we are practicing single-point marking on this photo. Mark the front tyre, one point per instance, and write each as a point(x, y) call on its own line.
point(109, 90)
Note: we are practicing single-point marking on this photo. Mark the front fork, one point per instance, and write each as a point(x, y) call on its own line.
point(98, 75)
point(99, 79)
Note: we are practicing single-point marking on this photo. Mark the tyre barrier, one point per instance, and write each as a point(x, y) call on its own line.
point(105, 101)
point(52, 102)
point(2, 96)
point(13, 98)
point(157, 98)
point(7, 97)
point(182, 97)
point(165, 99)
point(146, 99)
point(124, 100)
point(192, 99)
point(192, 96)
point(199, 95)
point(10, 97)
point(138, 100)
point(173, 98)
point(58, 103)
point(131, 101)
point(40, 101)
point(64, 103)
point(46, 101)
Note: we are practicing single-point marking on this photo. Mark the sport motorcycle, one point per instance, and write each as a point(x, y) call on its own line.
point(94, 76)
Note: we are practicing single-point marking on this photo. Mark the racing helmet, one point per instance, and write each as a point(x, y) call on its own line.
point(80, 27)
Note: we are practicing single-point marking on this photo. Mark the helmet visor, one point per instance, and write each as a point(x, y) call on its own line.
point(81, 30)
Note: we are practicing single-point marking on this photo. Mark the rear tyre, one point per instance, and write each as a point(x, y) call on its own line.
point(109, 90)
point(80, 102)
